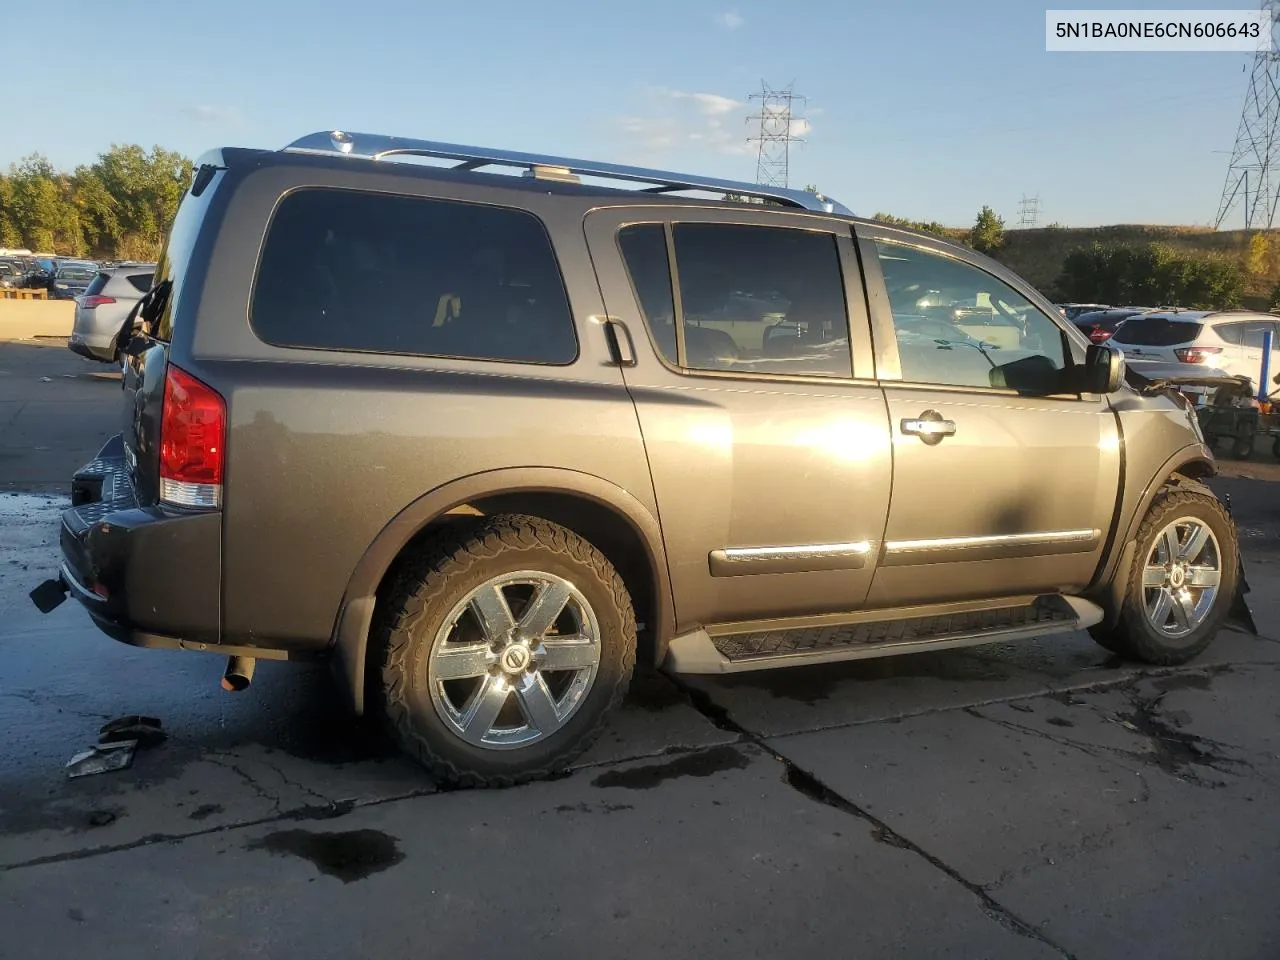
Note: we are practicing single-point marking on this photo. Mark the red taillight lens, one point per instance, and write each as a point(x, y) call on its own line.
point(1098, 335)
point(193, 427)
point(93, 301)
point(1196, 354)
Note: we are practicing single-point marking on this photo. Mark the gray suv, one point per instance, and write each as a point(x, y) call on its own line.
point(105, 310)
point(487, 440)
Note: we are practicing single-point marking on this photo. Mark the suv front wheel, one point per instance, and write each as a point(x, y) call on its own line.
point(503, 650)
point(1184, 580)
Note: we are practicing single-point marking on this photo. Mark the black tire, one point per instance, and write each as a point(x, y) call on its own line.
point(1242, 449)
point(1275, 448)
point(1133, 636)
point(428, 587)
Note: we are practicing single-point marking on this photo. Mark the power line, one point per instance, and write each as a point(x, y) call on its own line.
point(1029, 211)
point(1253, 182)
point(777, 122)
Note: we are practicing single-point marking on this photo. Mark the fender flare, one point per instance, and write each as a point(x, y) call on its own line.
point(1110, 591)
point(350, 638)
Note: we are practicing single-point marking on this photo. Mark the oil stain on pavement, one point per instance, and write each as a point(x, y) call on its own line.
point(349, 856)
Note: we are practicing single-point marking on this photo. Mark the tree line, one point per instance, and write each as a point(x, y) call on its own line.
point(1150, 274)
point(118, 207)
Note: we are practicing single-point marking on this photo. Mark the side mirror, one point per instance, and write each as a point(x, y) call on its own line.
point(1104, 369)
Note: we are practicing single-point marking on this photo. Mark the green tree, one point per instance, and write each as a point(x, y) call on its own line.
point(925, 226)
point(1273, 302)
point(42, 209)
point(1151, 274)
point(987, 235)
point(10, 236)
point(130, 196)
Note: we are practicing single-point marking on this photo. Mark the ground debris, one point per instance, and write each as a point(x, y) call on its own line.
point(102, 758)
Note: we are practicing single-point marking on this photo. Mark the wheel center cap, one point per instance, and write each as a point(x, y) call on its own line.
point(1177, 576)
point(516, 658)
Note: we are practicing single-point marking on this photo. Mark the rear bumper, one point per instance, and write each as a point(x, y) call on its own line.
point(95, 346)
point(147, 575)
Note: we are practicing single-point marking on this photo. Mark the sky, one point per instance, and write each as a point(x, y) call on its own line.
point(925, 109)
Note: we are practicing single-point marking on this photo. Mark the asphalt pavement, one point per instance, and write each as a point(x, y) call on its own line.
point(1031, 800)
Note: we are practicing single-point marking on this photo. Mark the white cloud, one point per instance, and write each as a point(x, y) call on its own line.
point(729, 20)
point(696, 120)
point(708, 104)
point(214, 116)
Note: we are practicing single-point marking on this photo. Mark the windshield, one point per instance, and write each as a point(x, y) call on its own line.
point(76, 271)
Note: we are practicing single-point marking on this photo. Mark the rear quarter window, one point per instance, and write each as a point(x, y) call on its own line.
point(140, 281)
point(349, 270)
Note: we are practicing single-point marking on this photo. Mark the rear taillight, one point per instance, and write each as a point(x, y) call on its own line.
point(1098, 335)
point(193, 428)
point(1196, 354)
point(94, 301)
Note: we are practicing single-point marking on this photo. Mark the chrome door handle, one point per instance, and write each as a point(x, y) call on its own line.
point(929, 427)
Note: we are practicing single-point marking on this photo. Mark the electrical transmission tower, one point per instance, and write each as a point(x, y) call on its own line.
point(777, 120)
point(1029, 211)
point(1253, 179)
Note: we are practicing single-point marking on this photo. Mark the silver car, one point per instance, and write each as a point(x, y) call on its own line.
point(104, 307)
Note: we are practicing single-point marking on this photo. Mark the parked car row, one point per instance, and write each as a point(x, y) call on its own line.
point(64, 278)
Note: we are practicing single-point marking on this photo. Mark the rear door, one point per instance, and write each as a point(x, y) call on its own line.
point(161, 313)
point(766, 434)
point(1253, 335)
point(1004, 483)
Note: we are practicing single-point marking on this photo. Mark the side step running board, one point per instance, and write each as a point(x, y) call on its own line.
point(711, 651)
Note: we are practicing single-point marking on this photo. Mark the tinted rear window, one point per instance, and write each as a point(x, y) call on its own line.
point(141, 281)
point(96, 284)
point(1158, 332)
point(347, 270)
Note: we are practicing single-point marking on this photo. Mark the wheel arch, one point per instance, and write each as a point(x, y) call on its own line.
point(598, 510)
point(1193, 463)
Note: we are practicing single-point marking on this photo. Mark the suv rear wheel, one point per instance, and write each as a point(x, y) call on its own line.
point(504, 648)
point(1183, 583)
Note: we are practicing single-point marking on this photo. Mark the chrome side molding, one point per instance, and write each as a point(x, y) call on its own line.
point(742, 561)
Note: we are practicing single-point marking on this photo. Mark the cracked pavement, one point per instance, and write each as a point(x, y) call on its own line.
point(1021, 800)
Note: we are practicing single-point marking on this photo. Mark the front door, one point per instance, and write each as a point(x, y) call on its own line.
point(1004, 484)
point(766, 434)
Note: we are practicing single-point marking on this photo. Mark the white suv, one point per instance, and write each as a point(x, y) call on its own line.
point(1229, 340)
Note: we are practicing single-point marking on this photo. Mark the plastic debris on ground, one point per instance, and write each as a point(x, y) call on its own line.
point(102, 758)
point(118, 741)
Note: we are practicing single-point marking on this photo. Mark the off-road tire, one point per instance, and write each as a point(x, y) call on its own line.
point(427, 586)
point(1133, 637)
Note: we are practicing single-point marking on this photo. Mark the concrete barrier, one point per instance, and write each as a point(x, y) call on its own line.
point(24, 319)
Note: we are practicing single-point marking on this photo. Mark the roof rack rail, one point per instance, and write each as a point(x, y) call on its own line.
point(378, 147)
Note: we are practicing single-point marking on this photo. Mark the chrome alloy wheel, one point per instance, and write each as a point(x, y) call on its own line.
point(514, 660)
point(1181, 578)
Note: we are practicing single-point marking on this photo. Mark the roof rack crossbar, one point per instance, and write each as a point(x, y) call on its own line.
point(379, 147)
